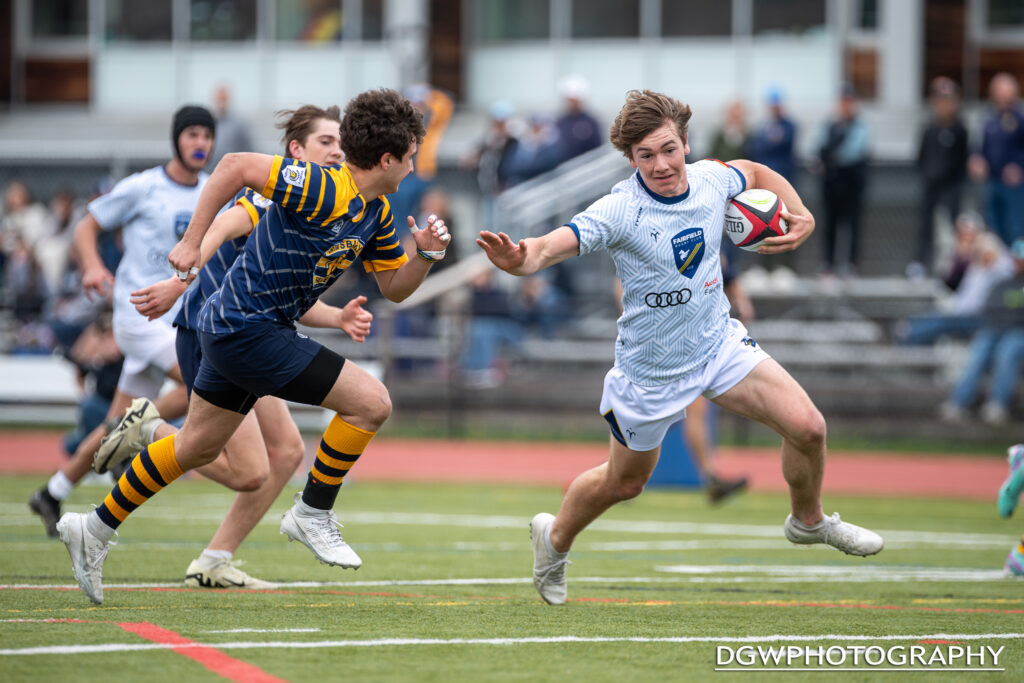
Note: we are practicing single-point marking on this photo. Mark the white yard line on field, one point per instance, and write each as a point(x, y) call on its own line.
point(394, 642)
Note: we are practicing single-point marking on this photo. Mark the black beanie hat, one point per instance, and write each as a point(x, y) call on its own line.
point(190, 115)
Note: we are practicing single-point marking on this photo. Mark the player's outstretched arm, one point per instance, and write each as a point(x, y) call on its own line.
point(352, 319)
point(235, 171)
point(530, 255)
point(799, 218)
point(431, 244)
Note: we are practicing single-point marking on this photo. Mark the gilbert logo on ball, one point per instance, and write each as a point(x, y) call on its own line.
point(753, 216)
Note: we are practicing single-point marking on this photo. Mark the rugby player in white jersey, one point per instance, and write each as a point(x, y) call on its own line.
point(663, 228)
point(152, 208)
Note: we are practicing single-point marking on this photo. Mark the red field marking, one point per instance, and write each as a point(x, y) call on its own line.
point(212, 658)
point(539, 463)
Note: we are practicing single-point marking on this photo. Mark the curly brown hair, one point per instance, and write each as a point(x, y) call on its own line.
point(379, 122)
point(298, 124)
point(644, 112)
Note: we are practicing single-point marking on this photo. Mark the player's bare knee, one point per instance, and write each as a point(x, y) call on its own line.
point(287, 454)
point(253, 480)
point(628, 489)
point(810, 432)
point(378, 409)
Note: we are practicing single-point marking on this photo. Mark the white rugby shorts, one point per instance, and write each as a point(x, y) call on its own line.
point(149, 353)
point(640, 416)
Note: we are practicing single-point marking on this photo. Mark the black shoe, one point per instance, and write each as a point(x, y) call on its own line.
point(720, 489)
point(48, 509)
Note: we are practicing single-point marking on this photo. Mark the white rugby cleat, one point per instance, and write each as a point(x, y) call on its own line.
point(548, 567)
point(320, 534)
point(850, 538)
point(87, 553)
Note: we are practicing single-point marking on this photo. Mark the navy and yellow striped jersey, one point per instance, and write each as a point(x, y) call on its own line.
point(212, 274)
point(316, 227)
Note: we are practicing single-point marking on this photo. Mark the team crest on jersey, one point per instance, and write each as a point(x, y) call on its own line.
point(259, 201)
point(181, 220)
point(294, 174)
point(688, 249)
point(339, 257)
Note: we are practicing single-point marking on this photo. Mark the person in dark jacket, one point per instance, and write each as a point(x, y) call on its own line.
point(1000, 162)
point(942, 163)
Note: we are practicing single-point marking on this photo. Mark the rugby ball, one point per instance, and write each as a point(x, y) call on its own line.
point(753, 216)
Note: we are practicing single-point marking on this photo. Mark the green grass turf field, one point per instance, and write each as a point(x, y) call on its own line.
point(444, 593)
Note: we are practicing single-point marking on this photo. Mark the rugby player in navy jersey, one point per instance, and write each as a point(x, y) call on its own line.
point(267, 446)
point(320, 221)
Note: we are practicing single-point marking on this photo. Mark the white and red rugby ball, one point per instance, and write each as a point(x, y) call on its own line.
point(753, 216)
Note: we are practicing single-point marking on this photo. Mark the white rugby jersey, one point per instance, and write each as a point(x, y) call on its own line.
point(666, 252)
point(154, 212)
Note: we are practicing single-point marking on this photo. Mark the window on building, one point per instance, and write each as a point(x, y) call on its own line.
point(222, 19)
point(500, 20)
point(59, 18)
point(1005, 14)
point(373, 20)
point(605, 18)
point(309, 21)
point(788, 17)
point(145, 21)
point(695, 18)
point(867, 15)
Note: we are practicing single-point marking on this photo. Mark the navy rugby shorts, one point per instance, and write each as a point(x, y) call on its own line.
point(264, 359)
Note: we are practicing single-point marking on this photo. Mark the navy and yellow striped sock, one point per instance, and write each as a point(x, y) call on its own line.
point(151, 470)
point(1020, 548)
point(340, 447)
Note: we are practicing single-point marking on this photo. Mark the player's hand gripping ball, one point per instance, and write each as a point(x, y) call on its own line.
point(753, 216)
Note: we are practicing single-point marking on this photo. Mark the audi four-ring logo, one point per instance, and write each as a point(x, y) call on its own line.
point(666, 299)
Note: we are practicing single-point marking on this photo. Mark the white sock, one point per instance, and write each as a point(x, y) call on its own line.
point(303, 510)
point(60, 486)
point(551, 549)
point(98, 528)
point(149, 429)
point(216, 556)
point(803, 527)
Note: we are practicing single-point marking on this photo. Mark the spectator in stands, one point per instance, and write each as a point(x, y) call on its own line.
point(578, 130)
point(843, 164)
point(233, 132)
point(437, 108)
point(98, 363)
point(25, 290)
point(773, 142)
point(997, 347)
point(540, 305)
point(493, 158)
point(942, 163)
point(24, 221)
point(730, 140)
point(953, 264)
point(491, 328)
point(990, 265)
point(1000, 161)
point(539, 150)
